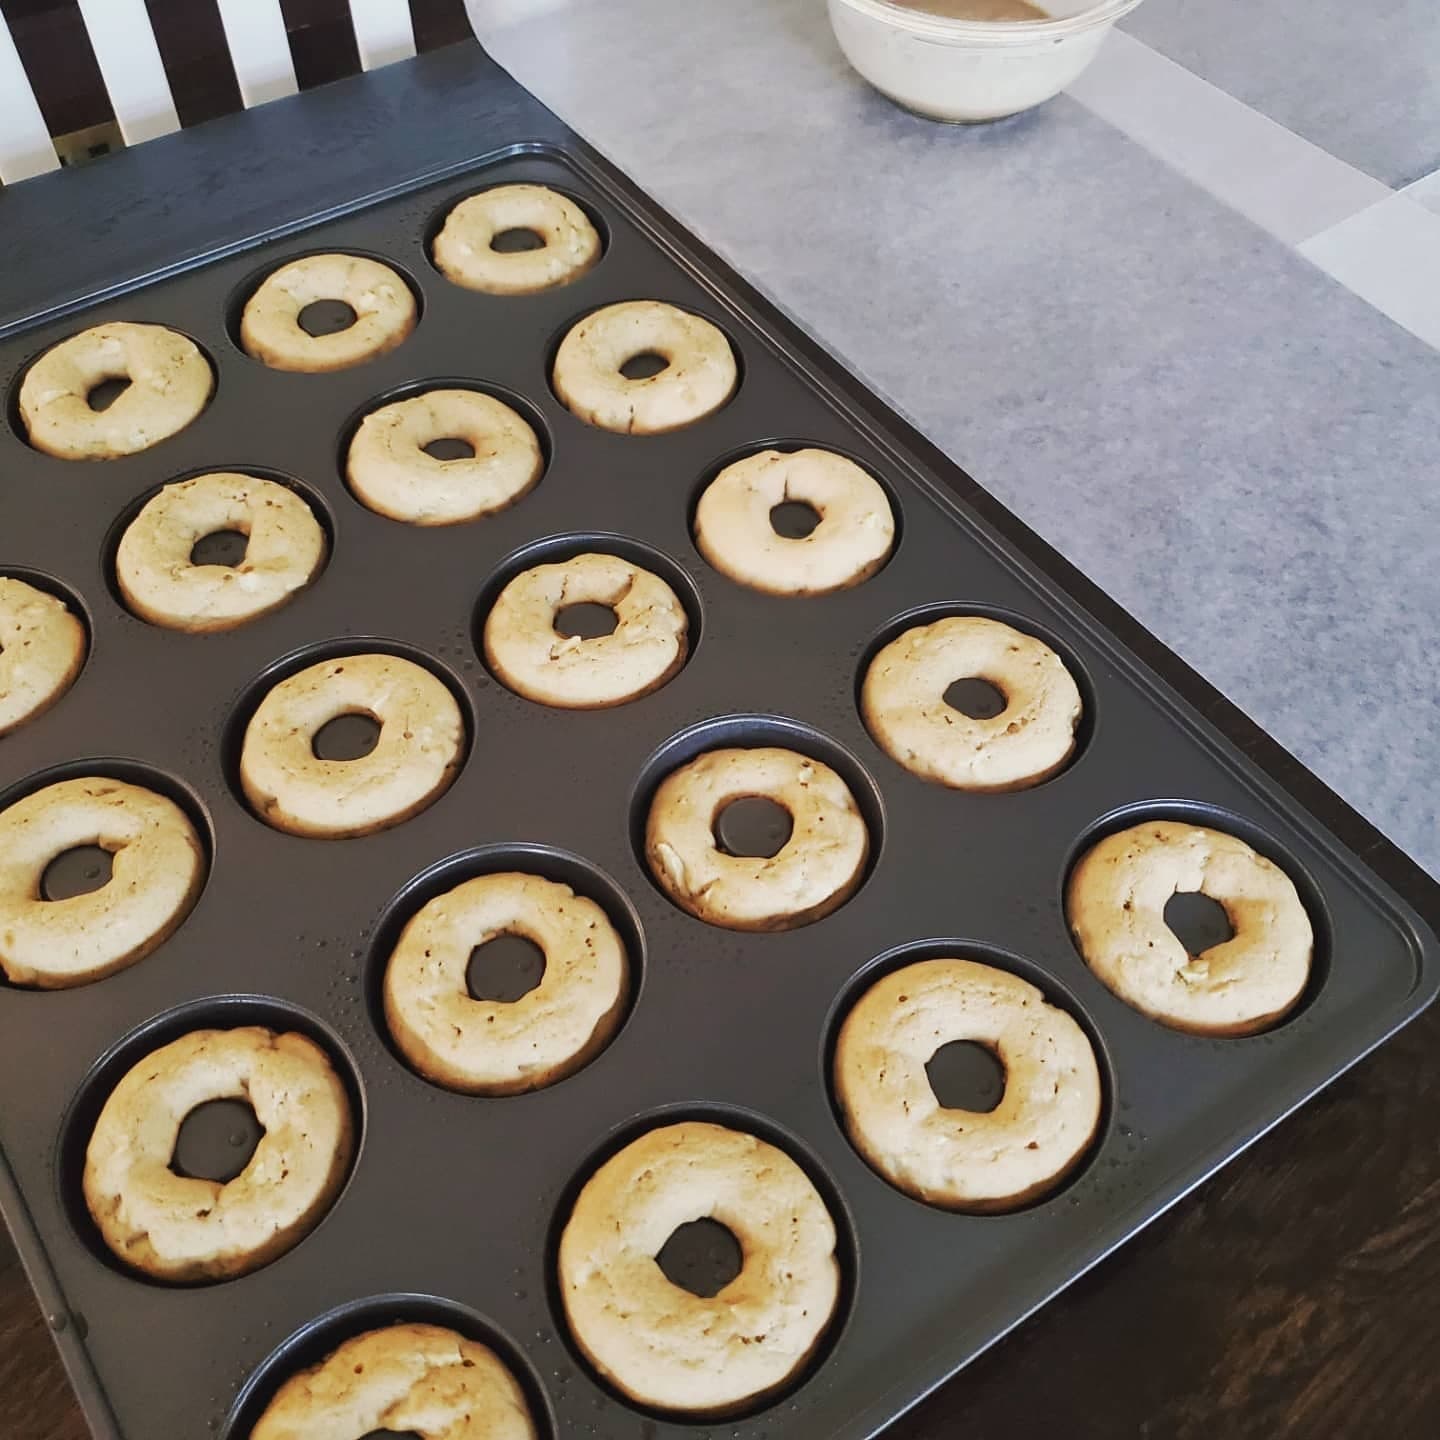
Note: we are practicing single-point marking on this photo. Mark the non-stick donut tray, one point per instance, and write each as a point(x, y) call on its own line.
point(454, 1204)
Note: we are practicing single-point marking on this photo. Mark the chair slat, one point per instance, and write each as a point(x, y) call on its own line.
point(259, 49)
point(383, 31)
point(130, 64)
point(25, 147)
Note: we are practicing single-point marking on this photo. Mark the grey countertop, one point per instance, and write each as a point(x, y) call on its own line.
point(1241, 450)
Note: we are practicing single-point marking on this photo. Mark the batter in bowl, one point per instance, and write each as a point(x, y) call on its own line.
point(976, 9)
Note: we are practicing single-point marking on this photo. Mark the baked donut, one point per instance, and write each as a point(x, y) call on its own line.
point(851, 542)
point(177, 1227)
point(1116, 902)
point(42, 649)
point(963, 1159)
point(1031, 739)
point(647, 647)
point(403, 1380)
point(418, 754)
point(662, 1346)
point(157, 870)
point(464, 249)
point(284, 551)
point(817, 870)
point(700, 373)
point(390, 472)
point(485, 1047)
point(169, 382)
point(384, 309)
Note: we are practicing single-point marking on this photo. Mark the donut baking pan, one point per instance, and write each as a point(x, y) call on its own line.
point(452, 1209)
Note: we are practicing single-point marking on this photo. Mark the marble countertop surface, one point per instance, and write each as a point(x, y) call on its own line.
point(1130, 342)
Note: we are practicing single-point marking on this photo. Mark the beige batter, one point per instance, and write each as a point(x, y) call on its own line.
point(976, 9)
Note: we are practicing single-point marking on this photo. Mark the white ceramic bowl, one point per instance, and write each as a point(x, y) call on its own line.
point(972, 70)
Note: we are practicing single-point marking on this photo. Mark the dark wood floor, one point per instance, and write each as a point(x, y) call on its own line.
point(1298, 1294)
point(35, 1402)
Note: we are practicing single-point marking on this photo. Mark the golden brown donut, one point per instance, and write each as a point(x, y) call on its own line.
point(464, 249)
point(418, 754)
point(960, 1159)
point(391, 472)
point(385, 313)
point(661, 1345)
point(1116, 902)
point(178, 1227)
point(646, 649)
point(404, 1379)
point(903, 702)
point(699, 377)
point(819, 868)
point(485, 1047)
point(851, 542)
point(170, 383)
point(157, 870)
point(42, 650)
point(284, 551)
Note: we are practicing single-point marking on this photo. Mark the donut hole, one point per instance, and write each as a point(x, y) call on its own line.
point(977, 698)
point(701, 1256)
point(216, 1141)
point(645, 366)
point(449, 447)
point(966, 1075)
point(105, 393)
point(504, 969)
point(221, 547)
point(1198, 922)
point(326, 317)
point(77, 871)
point(392, 1435)
point(753, 826)
point(586, 620)
point(516, 240)
point(351, 736)
point(794, 519)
